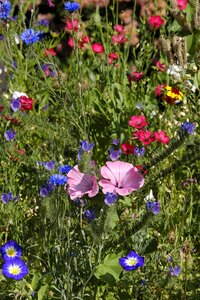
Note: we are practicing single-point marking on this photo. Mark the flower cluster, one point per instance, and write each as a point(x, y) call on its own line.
point(21, 101)
point(13, 267)
point(8, 197)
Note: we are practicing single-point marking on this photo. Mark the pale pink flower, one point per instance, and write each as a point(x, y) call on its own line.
point(81, 184)
point(120, 178)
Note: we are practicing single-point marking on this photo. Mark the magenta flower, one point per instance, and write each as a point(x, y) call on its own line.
point(81, 184)
point(120, 178)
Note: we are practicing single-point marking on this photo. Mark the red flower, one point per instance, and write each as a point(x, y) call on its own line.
point(85, 40)
point(161, 67)
point(26, 103)
point(119, 28)
point(138, 122)
point(182, 4)
point(142, 170)
point(127, 148)
point(119, 39)
point(159, 89)
point(156, 21)
point(135, 76)
point(72, 25)
point(50, 52)
point(12, 120)
point(146, 137)
point(71, 42)
point(112, 57)
point(97, 48)
point(161, 137)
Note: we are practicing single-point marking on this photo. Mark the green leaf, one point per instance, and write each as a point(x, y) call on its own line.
point(109, 271)
point(43, 291)
point(189, 13)
point(174, 26)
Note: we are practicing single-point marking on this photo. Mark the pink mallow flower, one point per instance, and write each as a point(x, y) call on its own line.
point(97, 48)
point(156, 21)
point(120, 178)
point(81, 184)
point(138, 121)
point(182, 4)
point(161, 137)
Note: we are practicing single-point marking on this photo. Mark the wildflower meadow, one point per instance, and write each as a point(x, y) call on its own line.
point(100, 149)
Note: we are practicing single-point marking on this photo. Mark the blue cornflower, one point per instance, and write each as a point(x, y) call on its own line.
point(110, 198)
point(5, 8)
point(132, 261)
point(89, 214)
point(175, 271)
point(29, 36)
point(188, 127)
point(11, 250)
point(58, 179)
point(49, 165)
point(71, 6)
point(15, 104)
point(139, 152)
point(46, 189)
point(8, 197)
point(154, 207)
point(64, 169)
point(114, 154)
point(10, 134)
point(15, 269)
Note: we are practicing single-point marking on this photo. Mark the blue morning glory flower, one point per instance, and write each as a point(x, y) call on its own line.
point(131, 261)
point(10, 134)
point(15, 104)
point(89, 214)
point(15, 269)
point(58, 179)
point(154, 207)
point(64, 169)
point(11, 250)
point(110, 198)
point(188, 127)
point(175, 271)
point(71, 6)
point(46, 189)
point(5, 8)
point(29, 36)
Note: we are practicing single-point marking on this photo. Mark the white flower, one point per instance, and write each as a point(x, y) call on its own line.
point(17, 94)
point(150, 197)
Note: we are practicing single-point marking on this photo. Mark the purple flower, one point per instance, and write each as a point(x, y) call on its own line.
point(85, 146)
point(49, 165)
point(64, 169)
point(10, 134)
point(1, 37)
point(132, 261)
point(139, 152)
point(154, 207)
point(15, 104)
point(5, 8)
point(44, 22)
point(110, 198)
point(8, 197)
point(46, 189)
point(89, 214)
point(175, 271)
point(114, 154)
point(29, 36)
point(116, 142)
point(188, 127)
point(71, 6)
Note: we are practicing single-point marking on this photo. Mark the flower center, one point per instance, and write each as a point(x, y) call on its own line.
point(132, 261)
point(11, 252)
point(14, 270)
